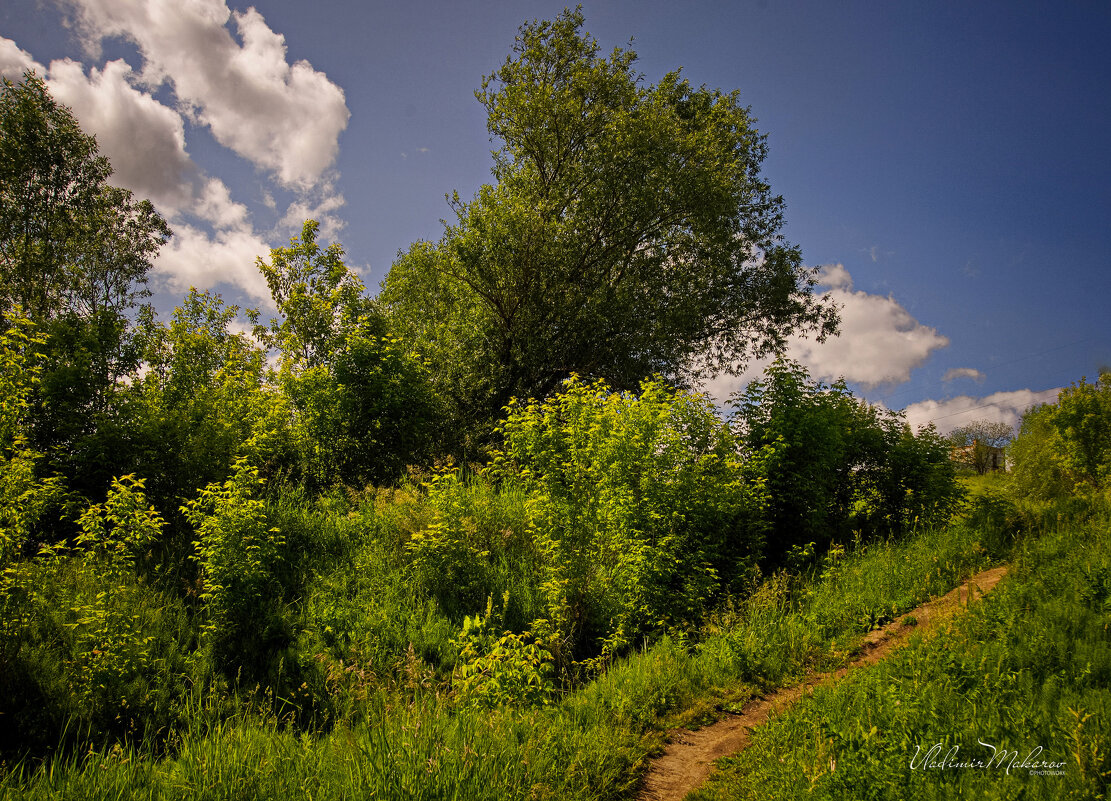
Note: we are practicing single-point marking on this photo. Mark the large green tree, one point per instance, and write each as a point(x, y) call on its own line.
point(629, 232)
point(69, 241)
point(74, 257)
point(364, 403)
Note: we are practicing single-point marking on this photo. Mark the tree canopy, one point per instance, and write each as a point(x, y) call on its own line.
point(363, 398)
point(75, 253)
point(629, 232)
point(69, 242)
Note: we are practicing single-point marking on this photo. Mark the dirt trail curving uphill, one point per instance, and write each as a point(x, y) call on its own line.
point(689, 756)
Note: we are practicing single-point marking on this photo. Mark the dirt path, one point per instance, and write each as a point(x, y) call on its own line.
point(689, 756)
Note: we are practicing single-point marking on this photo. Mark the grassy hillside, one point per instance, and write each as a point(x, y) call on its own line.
point(418, 736)
point(1012, 700)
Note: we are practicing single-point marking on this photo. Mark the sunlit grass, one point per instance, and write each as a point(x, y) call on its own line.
point(1028, 668)
point(408, 738)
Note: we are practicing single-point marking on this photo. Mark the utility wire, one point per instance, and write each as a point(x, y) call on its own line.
point(993, 367)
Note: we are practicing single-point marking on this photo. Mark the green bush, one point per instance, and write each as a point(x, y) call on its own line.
point(240, 556)
point(1064, 448)
point(640, 509)
point(476, 543)
point(836, 466)
point(88, 653)
point(500, 669)
point(205, 401)
point(364, 404)
point(25, 497)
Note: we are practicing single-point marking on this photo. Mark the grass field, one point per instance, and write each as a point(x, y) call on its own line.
point(414, 739)
point(1012, 700)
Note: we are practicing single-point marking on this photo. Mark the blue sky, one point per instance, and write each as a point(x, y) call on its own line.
point(947, 164)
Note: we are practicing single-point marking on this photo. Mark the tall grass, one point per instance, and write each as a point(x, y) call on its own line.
point(1026, 670)
point(404, 734)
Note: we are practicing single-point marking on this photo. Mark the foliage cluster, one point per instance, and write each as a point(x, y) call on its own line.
point(1065, 447)
point(245, 565)
point(88, 649)
point(629, 232)
point(24, 496)
point(500, 670)
point(240, 556)
point(641, 510)
point(837, 467)
point(363, 397)
point(420, 739)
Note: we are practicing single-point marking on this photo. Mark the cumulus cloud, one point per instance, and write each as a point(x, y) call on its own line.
point(144, 139)
point(1005, 407)
point(285, 118)
point(880, 342)
point(193, 258)
point(962, 372)
point(835, 276)
point(14, 61)
point(323, 206)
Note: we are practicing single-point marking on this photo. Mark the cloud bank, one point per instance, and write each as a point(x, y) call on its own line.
point(285, 118)
point(1004, 407)
point(14, 61)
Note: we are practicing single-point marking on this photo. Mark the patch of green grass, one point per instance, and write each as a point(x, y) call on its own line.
point(987, 483)
point(409, 738)
point(1029, 668)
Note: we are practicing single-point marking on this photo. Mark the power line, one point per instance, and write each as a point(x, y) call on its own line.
point(994, 367)
point(962, 411)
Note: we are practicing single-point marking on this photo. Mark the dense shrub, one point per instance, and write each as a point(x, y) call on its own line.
point(24, 497)
point(239, 555)
point(87, 648)
point(836, 465)
point(204, 402)
point(1064, 448)
point(641, 510)
point(476, 543)
point(1035, 458)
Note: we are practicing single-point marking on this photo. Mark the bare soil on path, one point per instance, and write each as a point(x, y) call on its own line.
point(689, 756)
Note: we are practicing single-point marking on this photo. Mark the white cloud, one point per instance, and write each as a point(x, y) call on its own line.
point(14, 61)
point(322, 207)
point(880, 342)
point(284, 118)
point(1006, 407)
point(215, 205)
point(144, 139)
point(962, 372)
point(193, 258)
point(835, 276)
